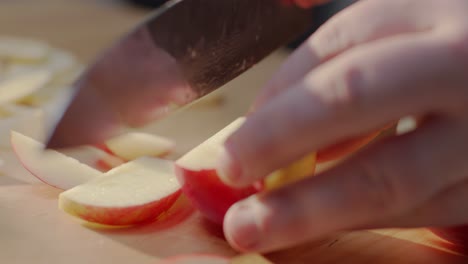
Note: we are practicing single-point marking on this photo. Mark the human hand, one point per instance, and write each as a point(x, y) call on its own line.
point(370, 65)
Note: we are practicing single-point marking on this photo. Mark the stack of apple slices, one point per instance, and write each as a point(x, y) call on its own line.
point(134, 192)
point(34, 77)
point(144, 186)
point(33, 74)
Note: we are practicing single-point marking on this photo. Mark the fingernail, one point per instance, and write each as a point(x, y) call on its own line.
point(240, 227)
point(229, 170)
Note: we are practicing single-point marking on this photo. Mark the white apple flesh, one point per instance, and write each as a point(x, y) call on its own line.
point(133, 145)
point(136, 192)
point(49, 166)
point(22, 84)
point(23, 50)
point(203, 157)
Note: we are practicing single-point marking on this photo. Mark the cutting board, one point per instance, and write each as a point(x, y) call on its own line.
point(34, 230)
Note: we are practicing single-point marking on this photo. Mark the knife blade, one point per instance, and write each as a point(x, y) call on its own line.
point(183, 51)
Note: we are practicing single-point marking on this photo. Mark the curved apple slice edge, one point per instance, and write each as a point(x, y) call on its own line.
point(50, 166)
point(136, 192)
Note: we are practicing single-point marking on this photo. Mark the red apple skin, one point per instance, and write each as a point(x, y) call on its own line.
point(196, 259)
point(457, 235)
point(127, 216)
point(209, 194)
point(350, 146)
point(347, 147)
point(103, 147)
point(103, 166)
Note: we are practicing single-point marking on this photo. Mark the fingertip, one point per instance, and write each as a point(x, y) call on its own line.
point(240, 227)
point(228, 168)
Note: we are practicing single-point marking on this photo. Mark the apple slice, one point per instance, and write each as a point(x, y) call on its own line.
point(94, 157)
point(200, 182)
point(196, 171)
point(22, 84)
point(196, 259)
point(49, 166)
point(13, 168)
point(136, 192)
point(133, 145)
point(60, 61)
point(23, 50)
point(59, 84)
point(296, 171)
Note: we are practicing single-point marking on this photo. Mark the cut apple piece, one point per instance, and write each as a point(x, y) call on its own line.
point(294, 172)
point(196, 171)
point(22, 50)
point(13, 168)
point(60, 83)
point(49, 166)
point(22, 84)
point(60, 62)
point(196, 259)
point(133, 145)
point(94, 157)
point(136, 192)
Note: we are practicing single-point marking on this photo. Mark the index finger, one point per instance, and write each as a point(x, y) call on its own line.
point(351, 95)
point(344, 31)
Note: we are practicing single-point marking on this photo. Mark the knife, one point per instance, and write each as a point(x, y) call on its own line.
point(183, 51)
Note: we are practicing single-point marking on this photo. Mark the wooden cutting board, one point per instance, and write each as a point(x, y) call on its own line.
point(33, 230)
